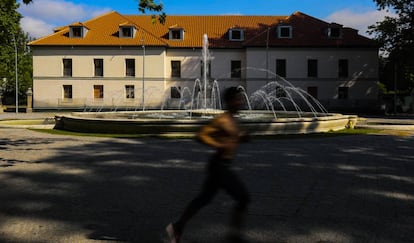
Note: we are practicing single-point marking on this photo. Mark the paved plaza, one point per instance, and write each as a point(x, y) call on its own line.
point(56, 188)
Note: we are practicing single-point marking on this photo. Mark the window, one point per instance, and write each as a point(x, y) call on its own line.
point(130, 91)
point(67, 67)
point(342, 68)
point(313, 91)
point(126, 32)
point(312, 68)
point(343, 92)
point(284, 31)
point(208, 69)
point(175, 92)
point(98, 67)
point(334, 32)
point(98, 91)
point(67, 91)
point(175, 69)
point(130, 67)
point(236, 69)
point(236, 35)
point(281, 67)
point(76, 32)
point(176, 34)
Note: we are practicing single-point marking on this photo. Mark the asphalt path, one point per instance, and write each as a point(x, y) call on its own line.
point(56, 188)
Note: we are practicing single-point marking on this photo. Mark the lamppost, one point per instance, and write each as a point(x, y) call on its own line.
point(143, 74)
point(267, 55)
point(15, 70)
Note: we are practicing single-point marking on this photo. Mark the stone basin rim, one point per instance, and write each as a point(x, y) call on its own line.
point(120, 116)
point(161, 126)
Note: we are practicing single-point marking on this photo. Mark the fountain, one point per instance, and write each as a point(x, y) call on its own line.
point(267, 112)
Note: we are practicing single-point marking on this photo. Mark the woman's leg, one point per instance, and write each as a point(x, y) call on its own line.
point(208, 191)
point(232, 184)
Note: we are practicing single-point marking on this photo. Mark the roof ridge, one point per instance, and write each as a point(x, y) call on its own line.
point(65, 27)
point(103, 15)
point(298, 13)
point(61, 28)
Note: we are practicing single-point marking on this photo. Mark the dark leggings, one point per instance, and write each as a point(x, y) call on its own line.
point(219, 176)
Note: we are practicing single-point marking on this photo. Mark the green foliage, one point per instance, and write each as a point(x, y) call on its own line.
point(382, 88)
point(12, 39)
point(150, 5)
point(9, 26)
point(396, 35)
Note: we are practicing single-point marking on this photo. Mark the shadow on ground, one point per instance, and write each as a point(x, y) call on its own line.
point(336, 189)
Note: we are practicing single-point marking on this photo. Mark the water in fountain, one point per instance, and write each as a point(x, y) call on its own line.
point(281, 94)
point(205, 95)
point(276, 96)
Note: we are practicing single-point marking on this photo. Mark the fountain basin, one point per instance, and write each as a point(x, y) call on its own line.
point(184, 122)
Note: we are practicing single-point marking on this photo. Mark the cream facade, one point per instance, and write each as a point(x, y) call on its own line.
point(361, 80)
point(144, 74)
point(50, 81)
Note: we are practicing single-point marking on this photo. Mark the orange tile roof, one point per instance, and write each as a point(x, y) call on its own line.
point(77, 24)
point(127, 23)
point(103, 31)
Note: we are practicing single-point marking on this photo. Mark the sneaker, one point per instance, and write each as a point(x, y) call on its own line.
point(173, 234)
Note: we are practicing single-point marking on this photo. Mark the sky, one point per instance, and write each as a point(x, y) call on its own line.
point(42, 16)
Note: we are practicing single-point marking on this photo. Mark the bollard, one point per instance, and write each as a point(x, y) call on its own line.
point(29, 95)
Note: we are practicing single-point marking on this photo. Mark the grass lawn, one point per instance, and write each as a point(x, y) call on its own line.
point(23, 122)
point(343, 132)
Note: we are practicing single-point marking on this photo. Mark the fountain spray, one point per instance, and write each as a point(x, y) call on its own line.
point(205, 54)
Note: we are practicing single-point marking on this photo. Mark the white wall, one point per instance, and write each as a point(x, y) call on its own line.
point(259, 68)
point(49, 79)
point(363, 70)
point(362, 62)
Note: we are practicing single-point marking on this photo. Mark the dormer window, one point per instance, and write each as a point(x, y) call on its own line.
point(334, 32)
point(284, 31)
point(176, 34)
point(77, 31)
point(126, 31)
point(236, 35)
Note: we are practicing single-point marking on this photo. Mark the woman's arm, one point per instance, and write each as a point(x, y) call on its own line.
point(207, 135)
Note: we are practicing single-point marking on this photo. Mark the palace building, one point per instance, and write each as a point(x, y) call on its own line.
point(127, 61)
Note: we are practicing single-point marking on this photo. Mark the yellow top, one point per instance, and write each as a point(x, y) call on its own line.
point(224, 134)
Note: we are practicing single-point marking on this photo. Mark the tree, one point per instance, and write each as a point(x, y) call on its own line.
point(396, 35)
point(143, 7)
point(149, 5)
point(13, 38)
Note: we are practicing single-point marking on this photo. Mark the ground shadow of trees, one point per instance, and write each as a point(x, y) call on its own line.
point(334, 189)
